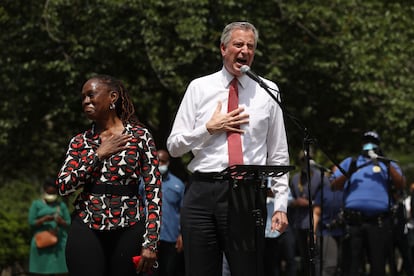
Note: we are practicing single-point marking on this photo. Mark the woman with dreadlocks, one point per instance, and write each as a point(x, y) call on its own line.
point(108, 161)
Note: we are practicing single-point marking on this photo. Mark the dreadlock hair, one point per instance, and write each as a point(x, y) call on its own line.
point(124, 106)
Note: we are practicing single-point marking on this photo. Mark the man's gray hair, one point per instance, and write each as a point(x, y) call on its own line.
point(242, 25)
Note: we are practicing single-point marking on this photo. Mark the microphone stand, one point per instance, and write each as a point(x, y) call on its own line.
point(306, 149)
point(322, 187)
point(307, 140)
point(321, 223)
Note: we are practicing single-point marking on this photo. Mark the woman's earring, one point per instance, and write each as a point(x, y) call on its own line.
point(112, 106)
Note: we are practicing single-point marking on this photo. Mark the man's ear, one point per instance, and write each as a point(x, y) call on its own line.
point(222, 49)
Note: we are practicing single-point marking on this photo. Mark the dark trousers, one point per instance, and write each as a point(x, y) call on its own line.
point(331, 255)
point(370, 237)
point(400, 243)
point(102, 253)
point(302, 245)
point(171, 263)
point(277, 250)
point(217, 218)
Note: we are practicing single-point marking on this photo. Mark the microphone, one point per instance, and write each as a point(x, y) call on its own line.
point(375, 157)
point(318, 166)
point(246, 70)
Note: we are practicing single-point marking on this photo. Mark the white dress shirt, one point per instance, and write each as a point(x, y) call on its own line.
point(264, 141)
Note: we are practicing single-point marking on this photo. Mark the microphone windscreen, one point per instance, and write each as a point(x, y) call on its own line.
point(244, 69)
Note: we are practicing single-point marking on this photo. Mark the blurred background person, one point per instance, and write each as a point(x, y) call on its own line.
point(367, 206)
point(409, 207)
point(400, 258)
point(329, 228)
point(170, 251)
point(298, 211)
point(280, 254)
point(49, 213)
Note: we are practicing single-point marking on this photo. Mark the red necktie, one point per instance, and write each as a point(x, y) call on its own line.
point(234, 138)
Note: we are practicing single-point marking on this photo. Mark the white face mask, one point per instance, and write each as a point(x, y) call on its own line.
point(50, 197)
point(163, 169)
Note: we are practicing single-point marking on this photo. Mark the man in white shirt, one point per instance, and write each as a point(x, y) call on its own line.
point(201, 126)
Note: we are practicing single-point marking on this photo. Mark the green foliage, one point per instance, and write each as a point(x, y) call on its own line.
point(342, 67)
point(346, 70)
point(16, 197)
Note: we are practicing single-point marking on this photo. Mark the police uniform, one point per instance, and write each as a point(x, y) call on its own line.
point(367, 205)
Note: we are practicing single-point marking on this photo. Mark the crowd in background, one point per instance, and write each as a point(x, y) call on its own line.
point(289, 260)
point(290, 253)
point(335, 230)
point(360, 221)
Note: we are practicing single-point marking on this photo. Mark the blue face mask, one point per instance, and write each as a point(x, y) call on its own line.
point(369, 146)
point(163, 169)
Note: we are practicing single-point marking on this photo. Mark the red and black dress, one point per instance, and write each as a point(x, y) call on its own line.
point(110, 199)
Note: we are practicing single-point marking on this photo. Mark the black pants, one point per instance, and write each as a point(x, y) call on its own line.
point(280, 249)
point(171, 263)
point(217, 217)
point(302, 245)
point(102, 253)
point(370, 237)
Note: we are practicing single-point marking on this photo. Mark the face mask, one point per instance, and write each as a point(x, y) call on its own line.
point(163, 169)
point(369, 146)
point(50, 197)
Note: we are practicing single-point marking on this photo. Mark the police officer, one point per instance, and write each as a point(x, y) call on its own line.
point(367, 205)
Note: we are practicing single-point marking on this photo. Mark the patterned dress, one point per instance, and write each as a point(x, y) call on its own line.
point(109, 211)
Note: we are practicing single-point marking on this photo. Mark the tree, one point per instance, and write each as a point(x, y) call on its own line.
point(346, 69)
point(342, 67)
point(353, 55)
point(16, 197)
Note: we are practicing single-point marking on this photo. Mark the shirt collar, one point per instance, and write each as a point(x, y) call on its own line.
point(227, 78)
point(166, 176)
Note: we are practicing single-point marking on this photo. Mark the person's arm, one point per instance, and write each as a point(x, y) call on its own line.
point(184, 135)
point(152, 181)
point(316, 217)
point(278, 155)
point(338, 179)
point(300, 202)
point(80, 162)
point(338, 182)
point(33, 218)
point(179, 243)
point(152, 186)
point(63, 216)
point(44, 219)
point(396, 176)
point(279, 221)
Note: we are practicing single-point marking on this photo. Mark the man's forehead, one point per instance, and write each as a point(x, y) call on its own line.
point(162, 156)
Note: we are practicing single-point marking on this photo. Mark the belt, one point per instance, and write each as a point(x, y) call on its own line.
point(110, 189)
point(207, 177)
point(217, 176)
point(357, 217)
